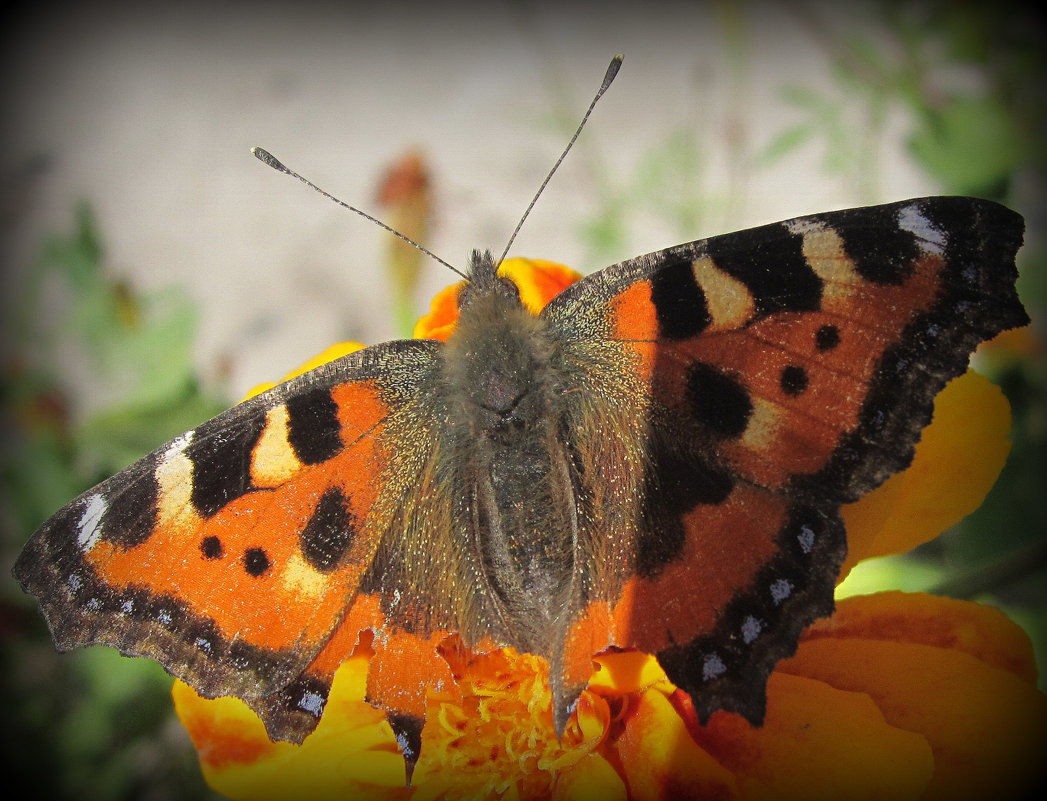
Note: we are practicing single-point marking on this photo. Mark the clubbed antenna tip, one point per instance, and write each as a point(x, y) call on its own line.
point(266, 157)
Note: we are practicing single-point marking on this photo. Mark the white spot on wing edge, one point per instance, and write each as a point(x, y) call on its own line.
point(179, 444)
point(911, 219)
point(751, 628)
point(311, 702)
point(405, 744)
point(712, 666)
point(806, 539)
point(780, 590)
point(89, 527)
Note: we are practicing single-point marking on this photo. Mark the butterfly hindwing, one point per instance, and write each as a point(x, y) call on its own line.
point(232, 553)
point(789, 368)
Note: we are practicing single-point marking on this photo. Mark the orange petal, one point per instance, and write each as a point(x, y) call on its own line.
point(442, 318)
point(818, 742)
point(352, 753)
point(957, 461)
point(986, 726)
point(539, 282)
point(982, 631)
point(224, 731)
point(661, 762)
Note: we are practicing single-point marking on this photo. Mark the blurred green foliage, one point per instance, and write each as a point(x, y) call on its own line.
point(89, 724)
point(971, 81)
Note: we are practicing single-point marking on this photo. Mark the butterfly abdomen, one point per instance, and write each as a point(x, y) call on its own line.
point(503, 399)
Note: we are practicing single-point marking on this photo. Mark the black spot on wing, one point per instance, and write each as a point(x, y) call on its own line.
point(679, 302)
point(882, 252)
point(221, 459)
point(211, 547)
point(677, 481)
point(131, 510)
point(793, 380)
point(827, 337)
point(329, 533)
point(313, 429)
point(769, 260)
point(717, 400)
point(256, 561)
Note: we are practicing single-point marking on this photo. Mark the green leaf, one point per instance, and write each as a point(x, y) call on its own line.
point(783, 144)
point(969, 145)
point(902, 572)
point(121, 434)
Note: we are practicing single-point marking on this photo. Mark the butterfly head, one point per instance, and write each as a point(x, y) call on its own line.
point(484, 282)
point(493, 363)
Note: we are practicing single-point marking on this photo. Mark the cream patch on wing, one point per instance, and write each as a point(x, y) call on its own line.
point(763, 425)
point(729, 301)
point(273, 460)
point(174, 477)
point(825, 254)
point(301, 579)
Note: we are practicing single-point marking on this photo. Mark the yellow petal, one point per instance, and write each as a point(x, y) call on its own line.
point(352, 753)
point(980, 630)
point(957, 461)
point(591, 779)
point(625, 672)
point(328, 354)
point(661, 762)
point(818, 742)
point(986, 726)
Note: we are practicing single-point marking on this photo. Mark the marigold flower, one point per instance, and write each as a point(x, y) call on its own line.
point(896, 695)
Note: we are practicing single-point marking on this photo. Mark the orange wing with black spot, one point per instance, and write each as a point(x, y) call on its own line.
point(789, 368)
point(233, 554)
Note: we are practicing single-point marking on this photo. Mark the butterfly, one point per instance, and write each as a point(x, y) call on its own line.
point(655, 461)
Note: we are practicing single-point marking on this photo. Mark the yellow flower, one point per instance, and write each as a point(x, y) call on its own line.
point(895, 696)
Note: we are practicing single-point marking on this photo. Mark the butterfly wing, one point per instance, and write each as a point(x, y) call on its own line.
point(790, 368)
point(231, 554)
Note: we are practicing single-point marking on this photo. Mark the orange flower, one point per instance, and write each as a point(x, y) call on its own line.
point(899, 696)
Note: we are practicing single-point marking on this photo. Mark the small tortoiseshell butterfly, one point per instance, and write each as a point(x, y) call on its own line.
point(655, 461)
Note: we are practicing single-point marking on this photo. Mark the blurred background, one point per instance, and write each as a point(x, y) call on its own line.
point(153, 271)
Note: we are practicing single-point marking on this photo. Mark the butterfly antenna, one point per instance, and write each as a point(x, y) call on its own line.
point(612, 70)
point(266, 157)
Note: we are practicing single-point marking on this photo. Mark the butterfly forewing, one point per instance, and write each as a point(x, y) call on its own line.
point(788, 368)
point(231, 553)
